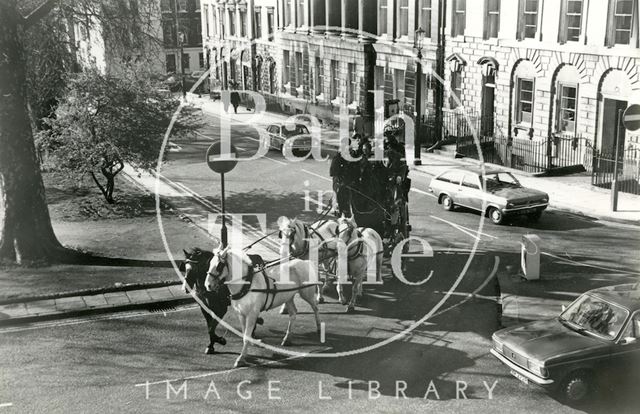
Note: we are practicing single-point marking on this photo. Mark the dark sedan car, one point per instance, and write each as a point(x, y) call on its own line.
point(496, 193)
point(596, 338)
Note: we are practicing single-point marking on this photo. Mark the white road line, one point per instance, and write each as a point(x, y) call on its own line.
point(322, 332)
point(465, 230)
point(423, 192)
point(564, 259)
point(6, 405)
point(228, 371)
point(316, 175)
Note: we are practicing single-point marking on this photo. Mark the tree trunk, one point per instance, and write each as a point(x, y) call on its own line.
point(26, 235)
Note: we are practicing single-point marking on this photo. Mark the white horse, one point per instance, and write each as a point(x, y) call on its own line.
point(294, 242)
point(260, 290)
point(364, 249)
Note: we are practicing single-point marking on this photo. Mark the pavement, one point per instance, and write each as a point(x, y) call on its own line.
point(573, 194)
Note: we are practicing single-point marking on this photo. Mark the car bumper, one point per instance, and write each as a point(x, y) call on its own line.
point(543, 382)
point(536, 208)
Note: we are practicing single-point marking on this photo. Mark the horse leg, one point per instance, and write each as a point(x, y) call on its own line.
point(307, 295)
point(355, 291)
point(209, 349)
point(340, 290)
point(291, 307)
point(319, 295)
point(244, 321)
point(220, 309)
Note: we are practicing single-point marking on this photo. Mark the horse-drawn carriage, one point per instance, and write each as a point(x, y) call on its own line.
point(378, 191)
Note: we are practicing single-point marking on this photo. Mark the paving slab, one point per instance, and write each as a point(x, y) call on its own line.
point(41, 307)
point(178, 292)
point(138, 296)
point(162, 293)
point(14, 310)
point(71, 303)
point(94, 301)
point(117, 298)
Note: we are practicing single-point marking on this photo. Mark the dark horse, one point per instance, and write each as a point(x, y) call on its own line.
point(195, 268)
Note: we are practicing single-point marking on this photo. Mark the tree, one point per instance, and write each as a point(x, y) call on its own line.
point(26, 235)
point(105, 121)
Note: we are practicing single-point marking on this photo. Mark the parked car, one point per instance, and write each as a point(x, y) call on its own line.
point(279, 133)
point(595, 341)
point(504, 195)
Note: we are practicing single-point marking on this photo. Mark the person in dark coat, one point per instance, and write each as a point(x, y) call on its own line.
point(235, 100)
point(339, 171)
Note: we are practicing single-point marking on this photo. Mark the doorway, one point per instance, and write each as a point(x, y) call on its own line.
point(488, 105)
point(610, 110)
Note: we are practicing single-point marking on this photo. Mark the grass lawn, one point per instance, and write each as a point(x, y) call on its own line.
point(129, 229)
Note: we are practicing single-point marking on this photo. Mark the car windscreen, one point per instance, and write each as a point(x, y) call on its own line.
point(595, 315)
point(298, 130)
point(501, 180)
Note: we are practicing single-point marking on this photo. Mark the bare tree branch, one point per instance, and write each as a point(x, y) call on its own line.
point(38, 13)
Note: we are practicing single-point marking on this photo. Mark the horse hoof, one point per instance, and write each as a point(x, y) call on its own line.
point(221, 341)
point(321, 300)
point(209, 350)
point(350, 309)
point(260, 321)
point(343, 301)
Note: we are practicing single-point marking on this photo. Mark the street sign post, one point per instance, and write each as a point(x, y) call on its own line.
point(631, 121)
point(222, 164)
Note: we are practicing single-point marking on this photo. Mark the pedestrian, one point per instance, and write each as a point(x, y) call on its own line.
point(341, 191)
point(358, 123)
point(235, 100)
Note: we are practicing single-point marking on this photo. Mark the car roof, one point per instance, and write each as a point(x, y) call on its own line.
point(627, 295)
point(283, 124)
point(475, 170)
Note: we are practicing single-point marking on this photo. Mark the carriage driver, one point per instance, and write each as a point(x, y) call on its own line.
point(341, 192)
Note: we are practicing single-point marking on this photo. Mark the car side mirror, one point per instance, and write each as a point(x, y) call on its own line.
point(629, 340)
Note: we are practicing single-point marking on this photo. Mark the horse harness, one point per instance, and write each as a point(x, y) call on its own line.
point(273, 291)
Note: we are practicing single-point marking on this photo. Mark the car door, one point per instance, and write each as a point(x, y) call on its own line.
point(625, 355)
point(448, 183)
point(275, 136)
point(471, 194)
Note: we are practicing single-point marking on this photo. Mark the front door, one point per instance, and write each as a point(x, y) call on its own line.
point(609, 118)
point(488, 105)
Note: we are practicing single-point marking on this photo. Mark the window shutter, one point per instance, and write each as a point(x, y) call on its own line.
point(520, 33)
point(562, 29)
point(610, 37)
point(485, 31)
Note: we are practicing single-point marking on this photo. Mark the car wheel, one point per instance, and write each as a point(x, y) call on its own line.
point(576, 387)
point(495, 215)
point(447, 203)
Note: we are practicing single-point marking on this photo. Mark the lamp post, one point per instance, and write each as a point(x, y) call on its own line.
point(419, 39)
point(180, 44)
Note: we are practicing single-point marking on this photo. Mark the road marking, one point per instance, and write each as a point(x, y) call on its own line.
point(229, 371)
point(322, 332)
point(316, 175)
point(6, 405)
point(589, 265)
point(465, 230)
point(251, 230)
point(423, 192)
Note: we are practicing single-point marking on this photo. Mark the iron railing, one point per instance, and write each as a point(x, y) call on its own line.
point(628, 170)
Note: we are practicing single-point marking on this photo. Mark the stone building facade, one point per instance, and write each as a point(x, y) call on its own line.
point(527, 69)
point(539, 69)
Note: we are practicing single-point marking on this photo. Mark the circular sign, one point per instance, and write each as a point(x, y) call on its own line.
point(631, 118)
point(217, 162)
